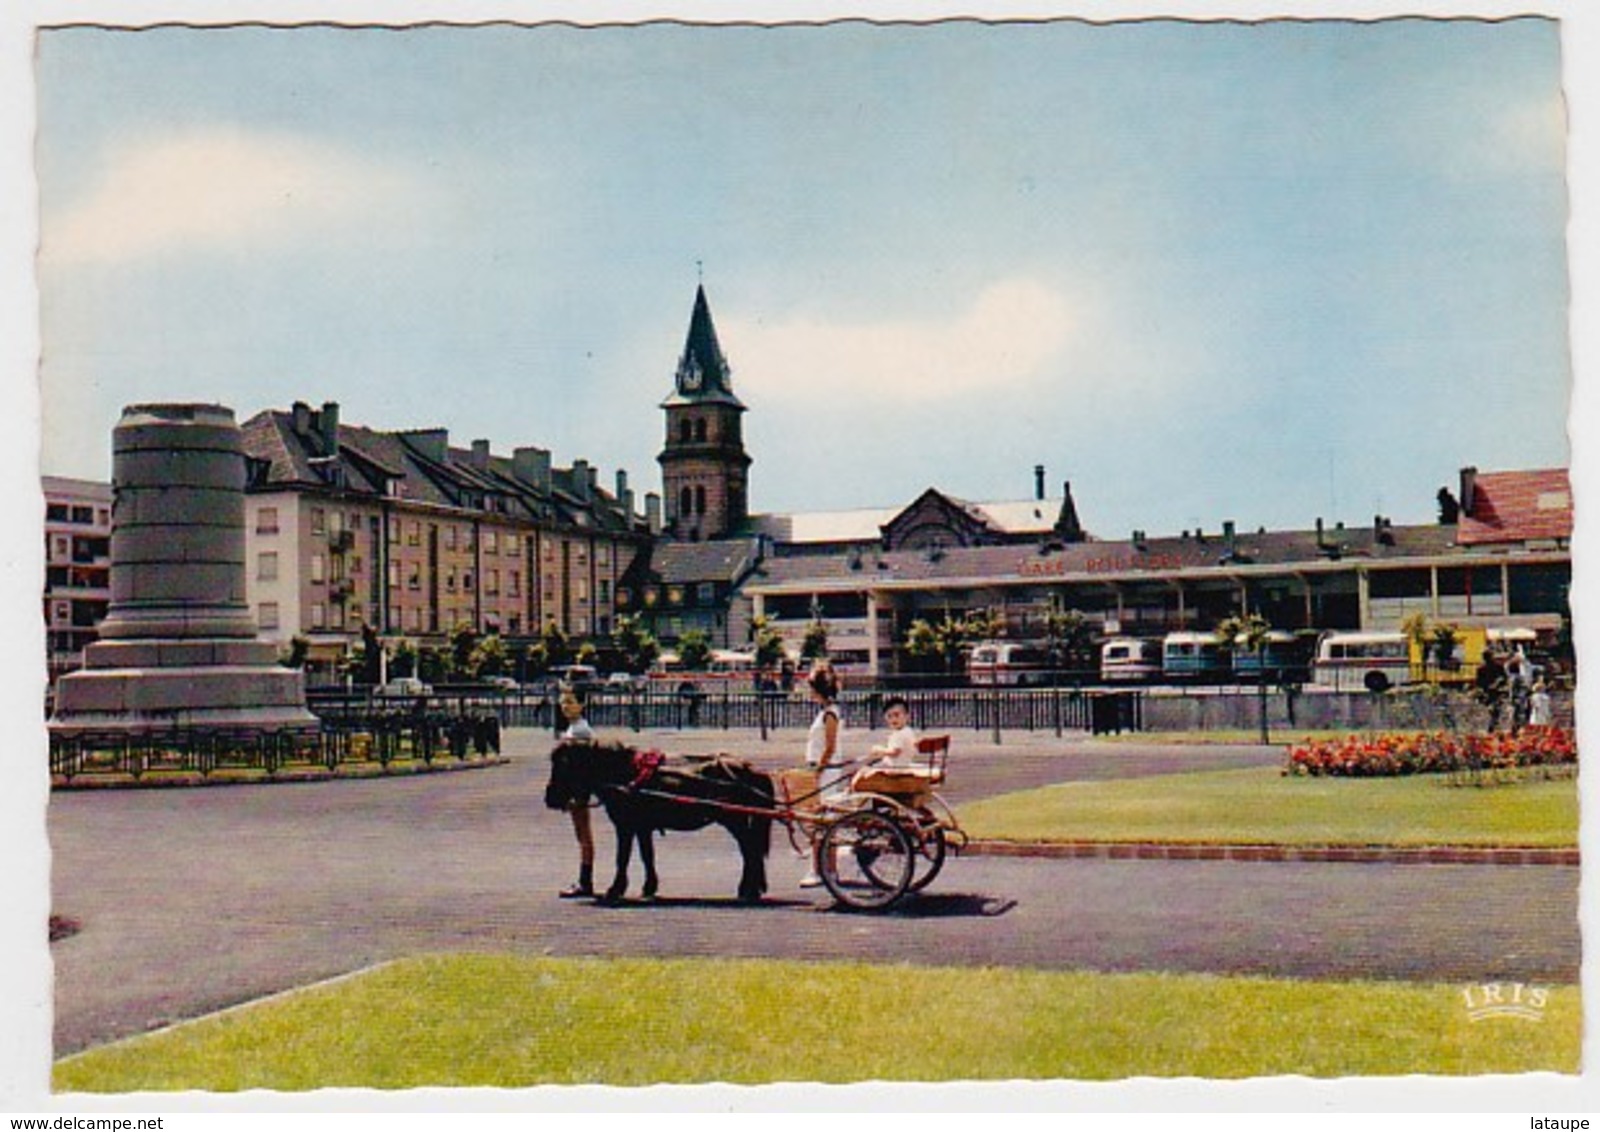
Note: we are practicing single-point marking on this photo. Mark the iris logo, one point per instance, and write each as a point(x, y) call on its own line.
point(1505, 1000)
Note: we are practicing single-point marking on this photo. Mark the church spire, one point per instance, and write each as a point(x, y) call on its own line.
point(703, 371)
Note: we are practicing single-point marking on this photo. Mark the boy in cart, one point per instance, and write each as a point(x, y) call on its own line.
point(899, 749)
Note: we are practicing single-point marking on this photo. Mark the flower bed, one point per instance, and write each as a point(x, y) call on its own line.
point(1433, 752)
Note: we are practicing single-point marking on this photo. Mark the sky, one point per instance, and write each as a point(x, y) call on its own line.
point(1262, 272)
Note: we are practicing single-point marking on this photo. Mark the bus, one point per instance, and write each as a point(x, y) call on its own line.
point(1004, 664)
point(1283, 658)
point(1130, 658)
point(1375, 661)
point(1193, 656)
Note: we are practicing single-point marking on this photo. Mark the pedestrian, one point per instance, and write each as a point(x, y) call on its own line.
point(1539, 711)
point(1519, 689)
point(1490, 681)
point(579, 731)
point(822, 747)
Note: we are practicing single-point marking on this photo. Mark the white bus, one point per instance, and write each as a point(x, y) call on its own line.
point(1130, 658)
point(994, 663)
point(1351, 662)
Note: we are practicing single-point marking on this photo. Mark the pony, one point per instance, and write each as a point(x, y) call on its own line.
point(641, 796)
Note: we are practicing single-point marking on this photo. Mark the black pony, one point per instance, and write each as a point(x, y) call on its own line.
point(641, 795)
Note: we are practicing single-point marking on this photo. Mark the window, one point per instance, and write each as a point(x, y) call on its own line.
point(513, 543)
point(491, 582)
point(491, 541)
point(513, 583)
point(338, 616)
point(602, 555)
point(317, 569)
point(335, 522)
point(706, 593)
point(700, 429)
point(700, 499)
point(394, 616)
point(449, 538)
point(394, 529)
point(394, 575)
point(267, 615)
point(103, 517)
point(57, 512)
point(685, 502)
point(267, 521)
point(416, 620)
point(603, 590)
point(413, 533)
point(683, 431)
point(466, 581)
point(582, 589)
point(450, 580)
point(319, 616)
point(414, 576)
point(267, 566)
point(549, 551)
point(319, 521)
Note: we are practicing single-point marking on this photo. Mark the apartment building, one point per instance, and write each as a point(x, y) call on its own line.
point(348, 527)
point(77, 587)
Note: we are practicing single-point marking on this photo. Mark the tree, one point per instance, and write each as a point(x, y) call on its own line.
point(1069, 640)
point(489, 657)
point(944, 639)
point(463, 639)
point(557, 648)
point(768, 643)
point(587, 653)
point(404, 662)
point(694, 650)
point(1249, 633)
point(633, 641)
point(814, 646)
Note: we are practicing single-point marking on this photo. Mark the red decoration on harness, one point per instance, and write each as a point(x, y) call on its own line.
point(645, 764)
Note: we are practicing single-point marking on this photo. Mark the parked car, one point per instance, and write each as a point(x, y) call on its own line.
point(501, 683)
point(626, 680)
point(405, 686)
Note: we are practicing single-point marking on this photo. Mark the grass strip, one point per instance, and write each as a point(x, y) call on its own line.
point(1261, 805)
point(515, 1021)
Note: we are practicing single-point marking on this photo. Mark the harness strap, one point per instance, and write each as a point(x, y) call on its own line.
point(645, 765)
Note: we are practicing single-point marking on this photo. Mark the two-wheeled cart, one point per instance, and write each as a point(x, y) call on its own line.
point(876, 833)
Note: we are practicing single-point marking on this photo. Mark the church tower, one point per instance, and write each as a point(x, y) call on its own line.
point(704, 467)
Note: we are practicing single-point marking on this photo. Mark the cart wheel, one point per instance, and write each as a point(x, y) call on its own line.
point(930, 858)
point(866, 860)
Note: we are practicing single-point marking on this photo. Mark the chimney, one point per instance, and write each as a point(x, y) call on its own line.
point(532, 466)
point(328, 426)
point(1038, 481)
point(480, 455)
point(652, 512)
point(300, 414)
point(593, 484)
point(581, 479)
point(430, 443)
point(1469, 491)
point(624, 495)
point(1139, 542)
point(1228, 534)
point(1319, 530)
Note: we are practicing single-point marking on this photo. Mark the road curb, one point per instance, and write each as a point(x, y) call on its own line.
point(291, 776)
point(1353, 854)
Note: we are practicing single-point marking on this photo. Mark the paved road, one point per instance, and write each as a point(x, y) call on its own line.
point(191, 900)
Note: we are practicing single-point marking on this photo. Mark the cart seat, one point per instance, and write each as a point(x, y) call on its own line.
point(911, 781)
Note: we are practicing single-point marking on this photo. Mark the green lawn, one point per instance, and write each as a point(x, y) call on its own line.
point(495, 1020)
point(1260, 805)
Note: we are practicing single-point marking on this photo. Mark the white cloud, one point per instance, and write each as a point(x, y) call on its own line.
point(1014, 332)
point(222, 190)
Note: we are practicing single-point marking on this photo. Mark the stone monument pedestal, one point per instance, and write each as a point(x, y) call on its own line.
point(178, 647)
